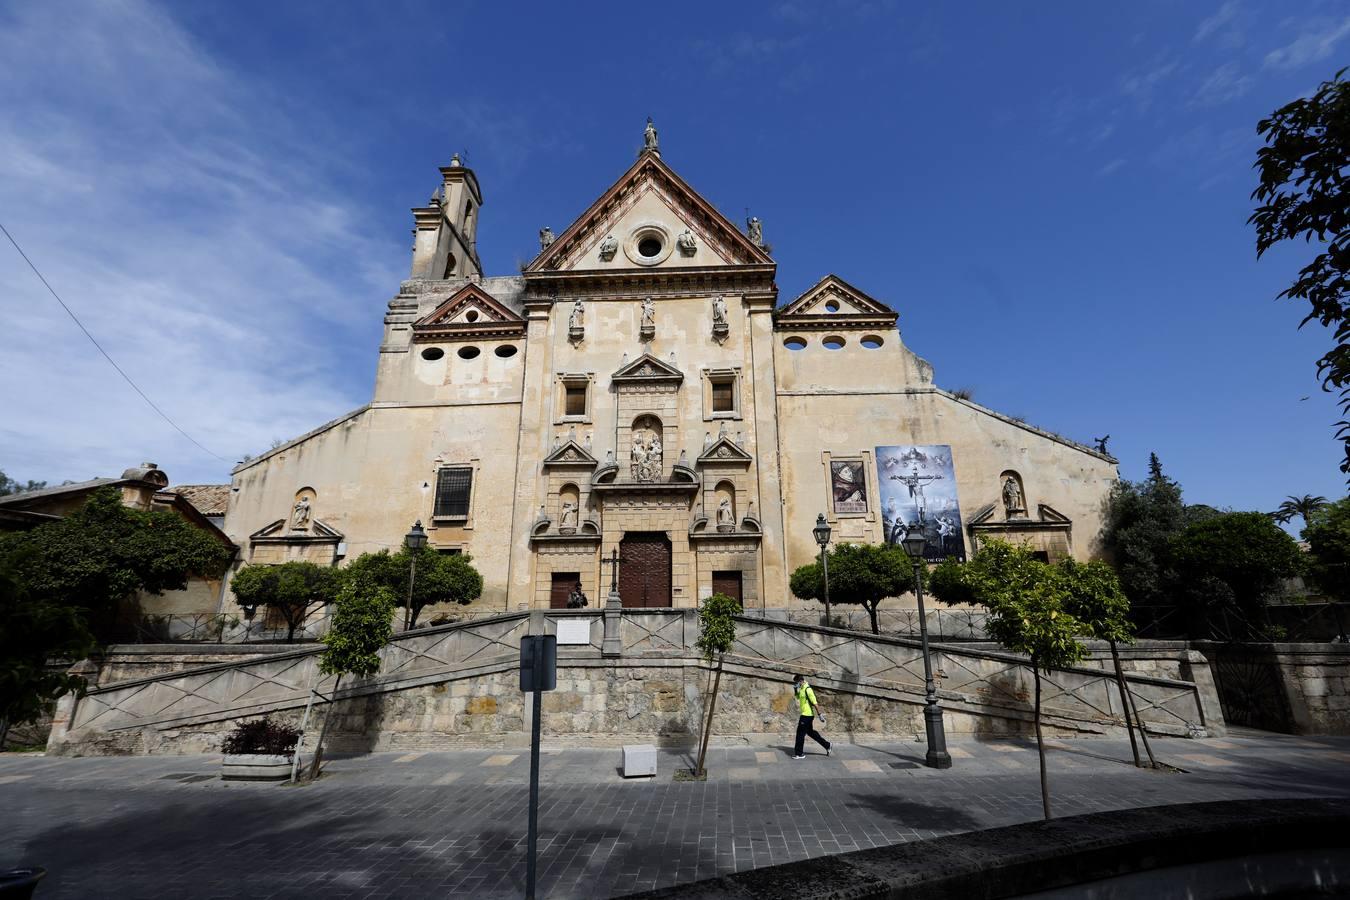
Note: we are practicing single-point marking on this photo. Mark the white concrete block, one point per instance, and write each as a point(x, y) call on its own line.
point(638, 760)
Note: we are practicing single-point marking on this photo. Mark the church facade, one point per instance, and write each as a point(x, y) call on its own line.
point(638, 391)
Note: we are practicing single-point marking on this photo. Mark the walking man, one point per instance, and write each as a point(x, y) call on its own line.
point(806, 702)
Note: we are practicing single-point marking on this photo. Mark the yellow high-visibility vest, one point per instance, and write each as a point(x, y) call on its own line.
point(806, 698)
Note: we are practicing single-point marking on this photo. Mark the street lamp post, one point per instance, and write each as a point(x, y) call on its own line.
point(938, 757)
point(822, 533)
point(414, 540)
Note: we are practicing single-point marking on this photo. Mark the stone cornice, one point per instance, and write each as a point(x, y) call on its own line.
point(835, 322)
point(691, 281)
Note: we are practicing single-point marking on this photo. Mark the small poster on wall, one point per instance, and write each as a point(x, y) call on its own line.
point(917, 485)
point(849, 486)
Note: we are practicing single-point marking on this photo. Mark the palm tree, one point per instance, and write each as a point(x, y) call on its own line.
point(1298, 508)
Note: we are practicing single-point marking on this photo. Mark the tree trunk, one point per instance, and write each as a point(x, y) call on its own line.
point(872, 614)
point(708, 725)
point(1143, 731)
point(323, 731)
point(1040, 741)
point(1125, 704)
point(4, 732)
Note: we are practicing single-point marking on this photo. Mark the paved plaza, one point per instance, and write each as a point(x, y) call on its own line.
point(453, 823)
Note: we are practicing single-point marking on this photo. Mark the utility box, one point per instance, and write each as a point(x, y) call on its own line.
point(638, 760)
point(538, 662)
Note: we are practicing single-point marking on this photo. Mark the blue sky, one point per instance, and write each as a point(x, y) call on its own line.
point(1053, 197)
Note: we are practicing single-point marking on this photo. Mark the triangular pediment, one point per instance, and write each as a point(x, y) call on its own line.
point(570, 454)
point(647, 368)
point(467, 306)
point(1050, 514)
point(280, 530)
point(724, 450)
point(649, 199)
point(469, 313)
point(832, 300)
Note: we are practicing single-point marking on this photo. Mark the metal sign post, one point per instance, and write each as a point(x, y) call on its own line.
point(538, 673)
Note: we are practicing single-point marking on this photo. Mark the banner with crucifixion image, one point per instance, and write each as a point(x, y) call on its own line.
point(917, 483)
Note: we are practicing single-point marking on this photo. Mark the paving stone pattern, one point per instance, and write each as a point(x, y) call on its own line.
point(453, 823)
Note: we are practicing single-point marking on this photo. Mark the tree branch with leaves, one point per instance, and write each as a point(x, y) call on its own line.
point(1304, 174)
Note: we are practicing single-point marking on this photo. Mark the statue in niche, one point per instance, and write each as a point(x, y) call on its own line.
point(300, 514)
point(577, 599)
point(719, 312)
point(687, 243)
point(724, 514)
point(650, 141)
point(608, 247)
point(648, 315)
point(1012, 496)
point(646, 455)
point(578, 317)
point(568, 520)
point(637, 458)
point(754, 229)
point(545, 238)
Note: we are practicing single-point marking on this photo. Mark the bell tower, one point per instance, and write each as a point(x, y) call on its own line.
point(445, 242)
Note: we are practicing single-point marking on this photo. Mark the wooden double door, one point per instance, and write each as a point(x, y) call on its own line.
point(644, 573)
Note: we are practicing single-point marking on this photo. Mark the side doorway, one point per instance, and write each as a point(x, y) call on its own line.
point(728, 583)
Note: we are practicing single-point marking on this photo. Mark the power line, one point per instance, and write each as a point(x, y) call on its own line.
point(95, 342)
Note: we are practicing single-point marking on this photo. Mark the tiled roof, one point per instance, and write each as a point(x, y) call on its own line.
point(209, 499)
point(73, 487)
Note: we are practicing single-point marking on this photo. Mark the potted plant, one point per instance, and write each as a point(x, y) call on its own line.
point(259, 750)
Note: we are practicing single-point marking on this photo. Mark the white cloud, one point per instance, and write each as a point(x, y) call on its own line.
point(1312, 46)
point(188, 219)
point(1141, 83)
point(1223, 26)
point(1111, 168)
point(1223, 84)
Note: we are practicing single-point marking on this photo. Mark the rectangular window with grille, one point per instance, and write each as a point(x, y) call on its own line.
point(575, 400)
point(724, 396)
point(453, 487)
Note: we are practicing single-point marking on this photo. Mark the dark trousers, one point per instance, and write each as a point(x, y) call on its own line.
point(805, 726)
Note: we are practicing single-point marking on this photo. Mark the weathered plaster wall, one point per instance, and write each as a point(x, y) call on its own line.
point(374, 474)
point(859, 412)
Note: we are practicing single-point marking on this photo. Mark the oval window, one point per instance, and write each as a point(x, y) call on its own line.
point(833, 342)
point(471, 315)
point(432, 353)
point(832, 306)
point(650, 246)
point(795, 343)
point(468, 352)
point(506, 351)
point(871, 341)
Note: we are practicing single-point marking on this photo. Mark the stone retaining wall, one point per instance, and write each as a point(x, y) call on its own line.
point(637, 678)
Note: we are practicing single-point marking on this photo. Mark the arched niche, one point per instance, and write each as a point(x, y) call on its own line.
point(302, 509)
point(646, 449)
point(1012, 494)
point(724, 506)
point(569, 508)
